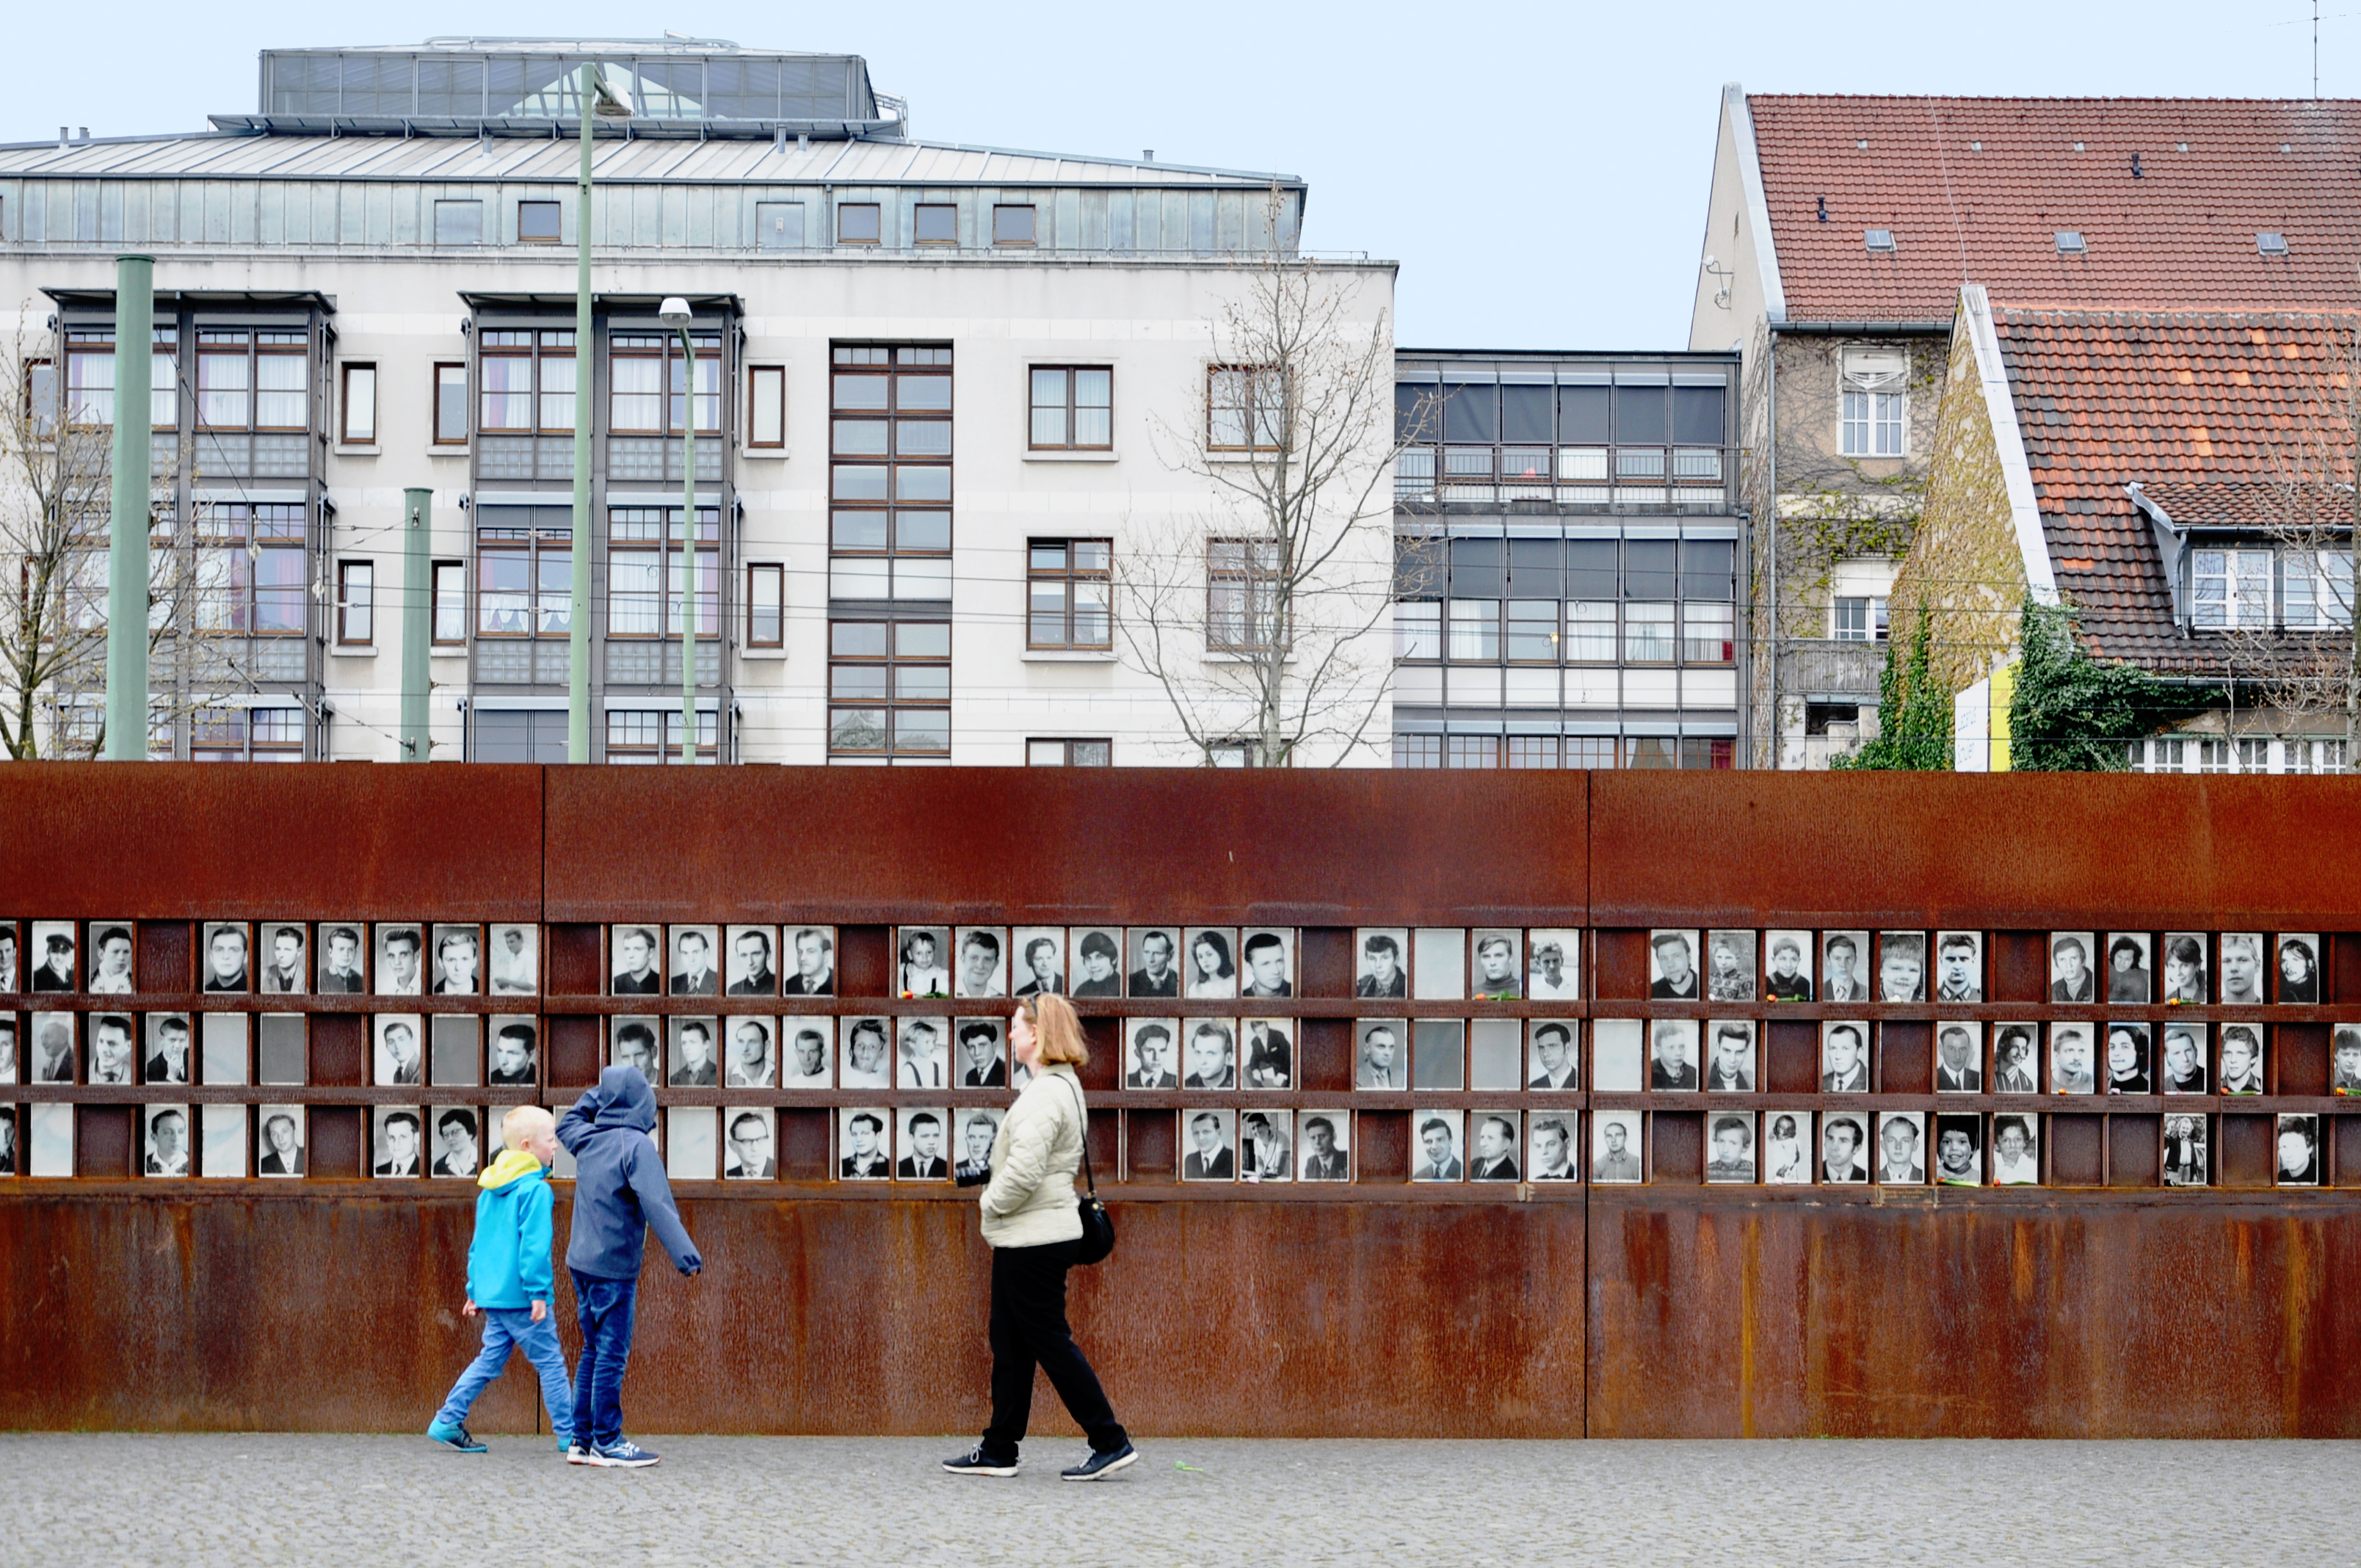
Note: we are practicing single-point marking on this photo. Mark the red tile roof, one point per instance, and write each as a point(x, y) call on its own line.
point(1976, 188)
point(2183, 405)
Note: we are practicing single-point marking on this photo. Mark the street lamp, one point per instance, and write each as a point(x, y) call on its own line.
point(600, 102)
point(674, 314)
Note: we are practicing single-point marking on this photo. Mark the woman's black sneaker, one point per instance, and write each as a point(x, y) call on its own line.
point(973, 1463)
point(1099, 1466)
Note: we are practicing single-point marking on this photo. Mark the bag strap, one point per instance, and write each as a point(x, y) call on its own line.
point(1088, 1178)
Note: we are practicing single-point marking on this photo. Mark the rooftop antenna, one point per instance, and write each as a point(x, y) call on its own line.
point(2315, 48)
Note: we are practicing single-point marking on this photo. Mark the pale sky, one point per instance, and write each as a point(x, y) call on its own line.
point(1538, 170)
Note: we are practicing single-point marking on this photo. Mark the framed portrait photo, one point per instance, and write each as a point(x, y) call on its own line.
point(344, 960)
point(1844, 1056)
point(1381, 1053)
point(228, 959)
point(1040, 959)
point(1959, 1142)
point(978, 1126)
point(11, 1057)
point(1902, 1149)
point(1554, 1054)
point(167, 1151)
point(1616, 1156)
point(169, 1049)
point(753, 964)
point(861, 1141)
point(1210, 971)
point(1267, 1146)
point(1211, 1054)
point(2240, 1053)
point(1551, 1147)
point(813, 951)
point(692, 1053)
point(458, 961)
point(1729, 966)
point(1844, 1148)
point(635, 961)
point(1787, 1158)
point(516, 1053)
point(2128, 971)
point(459, 1149)
point(56, 958)
point(1844, 965)
point(2017, 1058)
point(13, 977)
point(1959, 1057)
point(922, 1052)
point(2242, 967)
point(806, 1053)
point(400, 955)
point(110, 957)
point(1324, 1150)
point(1381, 963)
point(749, 1137)
point(1267, 1051)
point(514, 967)
point(285, 957)
point(2298, 1161)
point(631, 1042)
point(1671, 1055)
point(1098, 961)
point(52, 1057)
point(2128, 1064)
point(1730, 1056)
point(2299, 955)
point(2187, 1157)
point(284, 1132)
point(2073, 975)
point(1553, 966)
point(2344, 1058)
point(1152, 961)
point(1207, 1136)
point(400, 1056)
point(1787, 966)
point(2016, 1150)
point(114, 1048)
point(2074, 1060)
point(752, 1052)
point(922, 957)
point(1902, 966)
point(978, 1053)
point(2185, 981)
point(2181, 1067)
point(1671, 966)
point(395, 1142)
point(1959, 966)
point(1267, 961)
point(1730, 1148)
point(1436, 1143)
point(1494, 1143)
point(923, 1135)
point(868, 1054)
point(982, 962)
point(1150, 1052)
point(1500, 965)
point(694, 965)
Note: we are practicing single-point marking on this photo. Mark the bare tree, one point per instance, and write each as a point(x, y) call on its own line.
point(1264, 620)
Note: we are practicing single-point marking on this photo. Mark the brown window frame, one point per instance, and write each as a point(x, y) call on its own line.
point(1032, 225)
point(437, 575)
point(1244, 575)
point(1066, 745)
point(877, 210)
point(441, 433)
point(624, 539)
point(775, 574)
point(539, 346)
point(1072, 409)
point(1069, 576)
point(665, 348)
point(557, 229)
point(918, 207)
point(892, 702)
point(344, 402)
point(756, 375)
point(345, 571)
point(1254, 411)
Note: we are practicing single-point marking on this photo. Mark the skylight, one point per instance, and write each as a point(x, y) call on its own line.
point(1878, 240)
point(2070, 242)
point(2271, 243)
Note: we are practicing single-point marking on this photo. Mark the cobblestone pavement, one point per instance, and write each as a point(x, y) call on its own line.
point(252, 1500)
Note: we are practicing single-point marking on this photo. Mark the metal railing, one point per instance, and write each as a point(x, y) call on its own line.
point(1688, 478)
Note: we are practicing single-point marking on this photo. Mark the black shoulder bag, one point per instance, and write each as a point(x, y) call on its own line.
point(1098, 1225)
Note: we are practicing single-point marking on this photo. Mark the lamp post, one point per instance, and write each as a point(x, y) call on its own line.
point(674, 314)
point(599, 101)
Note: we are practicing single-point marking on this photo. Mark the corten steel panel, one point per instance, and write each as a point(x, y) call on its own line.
point(851, 845)
point(2028, 851)
point(2163, 1315)
point(336, 841)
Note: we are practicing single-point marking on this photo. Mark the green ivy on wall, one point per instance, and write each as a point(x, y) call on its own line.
point(2070, 712)
point(1914, 712)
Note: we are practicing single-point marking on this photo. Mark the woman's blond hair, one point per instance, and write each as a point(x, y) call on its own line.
point(1057, 1028)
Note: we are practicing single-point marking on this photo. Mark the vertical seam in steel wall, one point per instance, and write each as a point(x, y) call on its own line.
point(1591, 931)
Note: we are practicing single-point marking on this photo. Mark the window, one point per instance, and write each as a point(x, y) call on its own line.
point(1418, 751)
point(1874, 386)
point(1591, 632)
point(450, 405)
point(1648, 634)
point(2232, 588)
point(1242, 580)
point(246, 735)
point(1709, 633)
point(766, 606)
point(459, 223)
point(649, 380)
point(1859, 619)
point(524, 571)
point(1471, 751)
point(643, 568)
point(1590, 751)
point(1011, 224)
point(539, 222)
point(654, 736)
point(250, 380)
point(90, 379)
point(355, 602)
point(890, 473)
point(1533, 632)
point(1245, 409)
point(527, 381)
point(41, 398)
point(1070, 753)
point(1707, 752)
point(1418, 631)
point(779, 225)
point(2318, 588)
point(1073, 409)
point(766, 406)
point(449, 609)
point(1067, 583)
point(889, 686)
point(360, 426)
point(249, 569)
point(856, 222)
point(1533, 750)
point(1476, 629)
point(1650, 751)
point(935, 223)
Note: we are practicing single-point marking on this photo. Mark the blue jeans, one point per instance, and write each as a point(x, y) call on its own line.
point(507, 1329)
point(604, 1306)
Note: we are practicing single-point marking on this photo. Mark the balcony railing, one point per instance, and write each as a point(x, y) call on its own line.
point(1682, 478)
point(1820, 669)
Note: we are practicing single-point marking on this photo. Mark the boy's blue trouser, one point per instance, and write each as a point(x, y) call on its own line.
point(507, 1329)
point(604, 1306)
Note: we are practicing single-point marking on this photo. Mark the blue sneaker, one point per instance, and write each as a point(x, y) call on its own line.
point(623, 1455)
point(454, 1438)
point(577, 1452)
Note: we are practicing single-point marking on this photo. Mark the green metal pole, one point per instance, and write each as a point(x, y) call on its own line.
point(688, 556)
point(126, 530)
point(417, 621)
point(578, 652)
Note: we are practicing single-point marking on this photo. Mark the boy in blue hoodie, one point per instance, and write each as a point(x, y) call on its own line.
point(619, 1191)
point(509, 1278)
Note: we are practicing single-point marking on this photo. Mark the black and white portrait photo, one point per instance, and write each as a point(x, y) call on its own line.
point(228, 957)
point(2184, 968)
point(2186, 1159)
point(978, 1053)
point(868, 1054)
point(2299, 968)
point(1267, 1146)
point(1554, 1056)
point(113, 1050)
point(2181, 1067)
point(1615, 1153)
point(110, 957)
point(1550, 1153)
point(1210, 970)
point(1959, 1058)
point(1959, 966)
point(978, 1127)
point(12, 964)
point(692, 1054)
point(458, 960)
point(806, 1054)
point(397, 1144)
point(2015, 1151)
point(1844, 1056)
point(1266, 963)
point(1902, 1149)
point(1153, 961)
point(695, 964)
point(922, 1054)
point(8, 1049)
point(691, 1143)
point(747, 1145)
point(1324, 1152)
point(286, 958)
point(1729, 966)
point(167, 1049)
point(167, 1151)
point(1553, 967)
point(2343, 1060)
point(1729, 1147)
point(1900, 966)
point(2127, 1059)
point(1493, 1154)
point(1382, 964)
point(400, 1050)
point(51, 1057)
point(1040, 959)
point(1150, 1052)
point(1671, 966)
point(752, 1063)
point(631, 1042)
point(983, 961)
point(1212, 1056)
point(1787, 1158)
point(1205, 1134)
point(515, 965)
point(1269, 1052)
point(1729, 1057)
point(2074, 1060)
point(1844, 1148)
point(2242, 969)
point(342, 961)
point(753, 962)
point(516, 1054)
point(860, 1146)
point(2016, 1061)
point(56, 960)
point(1672, 1054)
point(813, 948)
point(924, 1138)
point(2241, 1058)
point(2072, 973)
point(922, 957)
point(1787, 966)
point(1436, 1155)
point(1958, 1149)
point(1498, 968)
point(638, 962)
point(2127, 968)
point(1098, 961)
point(458, 1150)
point(1382, 1059)
point(399, 957)
point(2299, 1148)
point(1844, 965)
point(281, 1141)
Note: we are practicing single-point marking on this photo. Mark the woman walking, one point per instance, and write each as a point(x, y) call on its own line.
point(1032, 1226)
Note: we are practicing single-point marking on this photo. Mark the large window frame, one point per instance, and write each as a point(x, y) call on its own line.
point(647, 378)
point(357, 403)
point(1242, 580)
point(1246, 408)
point(252, 575)
point(246, 735)
point(524, 577)
point(1071, 408)
point(766, 603)
point(356, 603)
point(644, 547)
point(766, 407)
point(651, 736)
point(889, 688)
point(890, 472)
point(447, 609)
point(1069, 593)
point(254, 378)
point(1069, 753)
point(89, 390)
point(449, 415)
point(524, 381)
point(541, 222)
